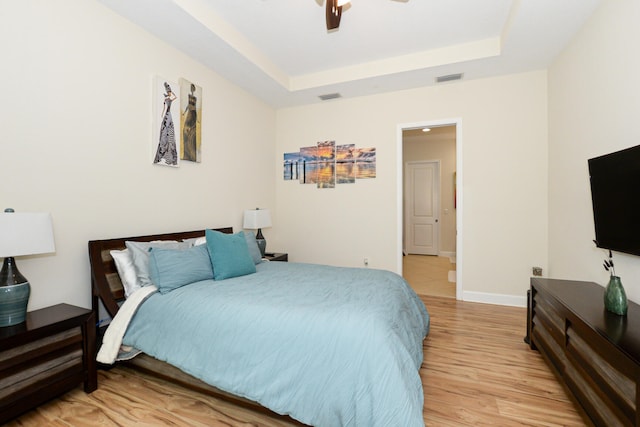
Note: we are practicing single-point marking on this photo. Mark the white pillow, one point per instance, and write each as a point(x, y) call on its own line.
point(126, 271)
point(196, 241)
point(200, 241)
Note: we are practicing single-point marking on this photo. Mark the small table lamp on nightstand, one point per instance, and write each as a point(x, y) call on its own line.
point(258, 219)
point(20, 234)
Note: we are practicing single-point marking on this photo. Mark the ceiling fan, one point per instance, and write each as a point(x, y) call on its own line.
point(334, 11)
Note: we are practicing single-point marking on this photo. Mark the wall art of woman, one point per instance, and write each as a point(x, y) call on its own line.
point(189, 128)
point(167, 153)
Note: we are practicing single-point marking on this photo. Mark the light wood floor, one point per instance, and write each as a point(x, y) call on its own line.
point(429, 275)
point(477, 371)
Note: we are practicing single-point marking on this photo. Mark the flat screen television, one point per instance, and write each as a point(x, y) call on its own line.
point(615, 197)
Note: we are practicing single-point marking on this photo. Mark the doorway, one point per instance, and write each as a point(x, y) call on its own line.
point(430, 231)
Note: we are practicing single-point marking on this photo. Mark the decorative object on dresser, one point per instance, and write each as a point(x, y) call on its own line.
point(593, 351)
point(257, 219)
point(24, 233)
point(615, 298)
point(49, 354)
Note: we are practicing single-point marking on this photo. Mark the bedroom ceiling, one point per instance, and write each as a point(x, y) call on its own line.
point(281, 51)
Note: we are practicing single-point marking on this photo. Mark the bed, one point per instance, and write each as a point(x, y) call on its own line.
point(323, 345)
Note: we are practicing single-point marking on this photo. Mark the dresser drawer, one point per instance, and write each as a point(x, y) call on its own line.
point(32, 350)
point(34, 375)
point(49, 354)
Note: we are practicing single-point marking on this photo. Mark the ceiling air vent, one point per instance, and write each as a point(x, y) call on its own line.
point(448, 78)
point(329, 96)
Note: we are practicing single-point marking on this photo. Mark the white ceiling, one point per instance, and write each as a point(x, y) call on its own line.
point(280, 50)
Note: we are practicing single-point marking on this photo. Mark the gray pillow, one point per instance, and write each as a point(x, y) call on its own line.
point(252, 245)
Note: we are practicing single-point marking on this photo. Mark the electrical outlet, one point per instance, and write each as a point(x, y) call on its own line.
point(537, 271)
point(366, 262)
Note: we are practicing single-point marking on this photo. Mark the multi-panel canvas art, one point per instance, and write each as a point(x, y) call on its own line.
point(327, 164)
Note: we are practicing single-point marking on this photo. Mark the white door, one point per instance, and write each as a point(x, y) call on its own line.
point(422, 195)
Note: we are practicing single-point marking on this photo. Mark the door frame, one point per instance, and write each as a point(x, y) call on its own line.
point(437, 204)
point(459, 195)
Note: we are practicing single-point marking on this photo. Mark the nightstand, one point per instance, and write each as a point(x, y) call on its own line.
point(45, 356)
point(275, 256)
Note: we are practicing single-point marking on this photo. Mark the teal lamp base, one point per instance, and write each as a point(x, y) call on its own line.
point(14, 294)
point(262, 243)
point(13, 303)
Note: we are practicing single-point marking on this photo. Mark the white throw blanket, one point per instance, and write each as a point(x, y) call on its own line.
point(112, 341)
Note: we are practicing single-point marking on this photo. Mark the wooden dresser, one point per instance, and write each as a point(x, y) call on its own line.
point(594, 352)
point(50, 353)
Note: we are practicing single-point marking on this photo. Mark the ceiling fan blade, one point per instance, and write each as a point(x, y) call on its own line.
point(333, 14)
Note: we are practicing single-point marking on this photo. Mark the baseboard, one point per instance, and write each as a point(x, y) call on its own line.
point(447, 254)
point(498, 299)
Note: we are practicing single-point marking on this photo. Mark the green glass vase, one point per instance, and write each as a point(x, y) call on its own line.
point(615, 298)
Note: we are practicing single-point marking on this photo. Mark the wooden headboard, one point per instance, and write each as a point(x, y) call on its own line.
point(105, 281)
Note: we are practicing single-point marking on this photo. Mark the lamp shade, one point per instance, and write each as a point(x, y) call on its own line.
point(257, 218)
point(25, 233)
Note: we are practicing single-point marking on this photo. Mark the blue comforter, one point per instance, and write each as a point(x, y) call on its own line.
point(328, 346)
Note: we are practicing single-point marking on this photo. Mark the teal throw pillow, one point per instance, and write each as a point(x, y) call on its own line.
point(140, 256)
point(170, 269)
point(229, 255)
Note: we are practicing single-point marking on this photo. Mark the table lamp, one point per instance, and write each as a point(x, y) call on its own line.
point(25, 233)
point(257, 219)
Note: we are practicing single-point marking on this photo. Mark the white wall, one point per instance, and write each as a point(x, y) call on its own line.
point(76, 139)
point(594, 105)
point(504, 150)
